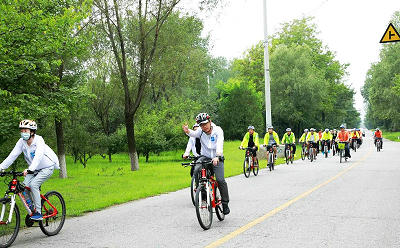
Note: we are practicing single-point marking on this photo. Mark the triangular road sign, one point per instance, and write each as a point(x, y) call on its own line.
point(390, 35)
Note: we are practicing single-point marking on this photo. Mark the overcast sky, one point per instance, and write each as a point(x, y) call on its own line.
point(351, 28)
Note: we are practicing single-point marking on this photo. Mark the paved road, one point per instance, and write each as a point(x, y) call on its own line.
point(360, 208)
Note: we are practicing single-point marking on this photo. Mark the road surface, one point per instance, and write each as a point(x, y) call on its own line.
point(319, 204)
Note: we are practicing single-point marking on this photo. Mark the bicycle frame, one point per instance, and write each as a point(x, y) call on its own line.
point(209, 183)
point(15, 190)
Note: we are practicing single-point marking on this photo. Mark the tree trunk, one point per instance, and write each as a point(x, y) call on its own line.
point(109, 156)
point(130, 133)
point(61, 148)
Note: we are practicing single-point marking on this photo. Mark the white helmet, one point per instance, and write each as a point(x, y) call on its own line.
point(29, 124)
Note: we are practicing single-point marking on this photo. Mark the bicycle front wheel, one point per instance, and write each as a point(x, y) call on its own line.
point(9, 230)
point(246, 167)
point(54, 212)
point(287, 153)
point(255, 167)
point(303, 154)
point(203, 209)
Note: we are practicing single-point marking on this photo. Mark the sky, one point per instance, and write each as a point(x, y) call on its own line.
point(351, 28)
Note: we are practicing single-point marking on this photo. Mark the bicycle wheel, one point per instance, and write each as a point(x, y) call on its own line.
point(255, 167)
point(303, 154)
point(203, 210)
point(193, 187)
point(287, 156)
point(355, 146)
point(246, 167)
point(53, 225)
point(341, 155)
point(218, 209)
point(326, 151)
point(9, 231)
point(312, 155)
point(291, 157)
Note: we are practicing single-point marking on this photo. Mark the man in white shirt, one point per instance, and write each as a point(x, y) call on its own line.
point(212, 145)
point(193, 145)
point(40, 158)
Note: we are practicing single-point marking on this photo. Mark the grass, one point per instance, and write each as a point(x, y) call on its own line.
point(393, 136)
point(102, 184)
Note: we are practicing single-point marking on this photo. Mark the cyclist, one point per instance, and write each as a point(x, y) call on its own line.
point(194, 146)
point(271, 138)
point(360, 134)
point(311, 140)
point(378, 135)
point(334, 135)
point(302, 139)
point(326, 139)
point(343, 136)
point(251, 139)
point(212, 143)
point(41, 160)
point(319, 140)
point(289, 141)
point(354, 137)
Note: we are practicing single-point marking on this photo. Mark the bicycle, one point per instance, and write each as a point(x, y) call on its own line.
point(378, 145)
point(208, 197)
point(341, 147)
point(326, 150)
point(354, 144)
point(193, 184)
point(303, 151)
point(250, 162)
point(289, 155)
point(333, 148)
point(53, 210)
point(311, 153)
point(271, 157)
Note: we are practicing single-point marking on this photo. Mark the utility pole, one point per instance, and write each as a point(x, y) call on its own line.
point(266, 72)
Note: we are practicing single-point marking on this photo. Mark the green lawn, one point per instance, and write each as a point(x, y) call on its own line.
point(102, 184)
point(394, 136)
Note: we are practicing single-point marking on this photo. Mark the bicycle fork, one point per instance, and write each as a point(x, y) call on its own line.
point(3, 210)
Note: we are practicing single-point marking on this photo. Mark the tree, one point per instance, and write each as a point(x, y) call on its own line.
point(245, 102)
point(381, 88)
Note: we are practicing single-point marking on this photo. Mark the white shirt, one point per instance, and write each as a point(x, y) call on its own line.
point(38, 155)
point(191, 145)
point(212, 145)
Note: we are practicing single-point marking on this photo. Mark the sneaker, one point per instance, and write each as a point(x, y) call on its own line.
point(226, 209)
point(37, 216)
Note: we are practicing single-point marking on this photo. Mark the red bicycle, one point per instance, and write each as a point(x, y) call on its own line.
point(53, 210)
point(208, 197)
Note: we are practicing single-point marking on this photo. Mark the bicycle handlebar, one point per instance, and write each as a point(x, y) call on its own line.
point(14, 173)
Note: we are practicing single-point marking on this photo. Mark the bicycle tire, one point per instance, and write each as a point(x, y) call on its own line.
point(355, 146)
point(292, 158)
point(246, 167)
point(256, 167)
point(193, 189)
point(218, 209)
point(205, 226)
point(58, 202)
point(287, 156)
point(341, 155)
point(312, 155)
point(15, 220)
point(303, 154)
point(326, 151)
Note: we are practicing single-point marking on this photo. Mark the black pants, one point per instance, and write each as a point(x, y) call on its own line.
point(380, 140)
point(287, 146)
point(328, 143)
point(219, 174)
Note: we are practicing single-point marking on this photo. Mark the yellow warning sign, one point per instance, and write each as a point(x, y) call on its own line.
point(390, 35)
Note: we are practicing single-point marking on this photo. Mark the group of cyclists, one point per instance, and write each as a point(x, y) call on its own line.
point(310, 138)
